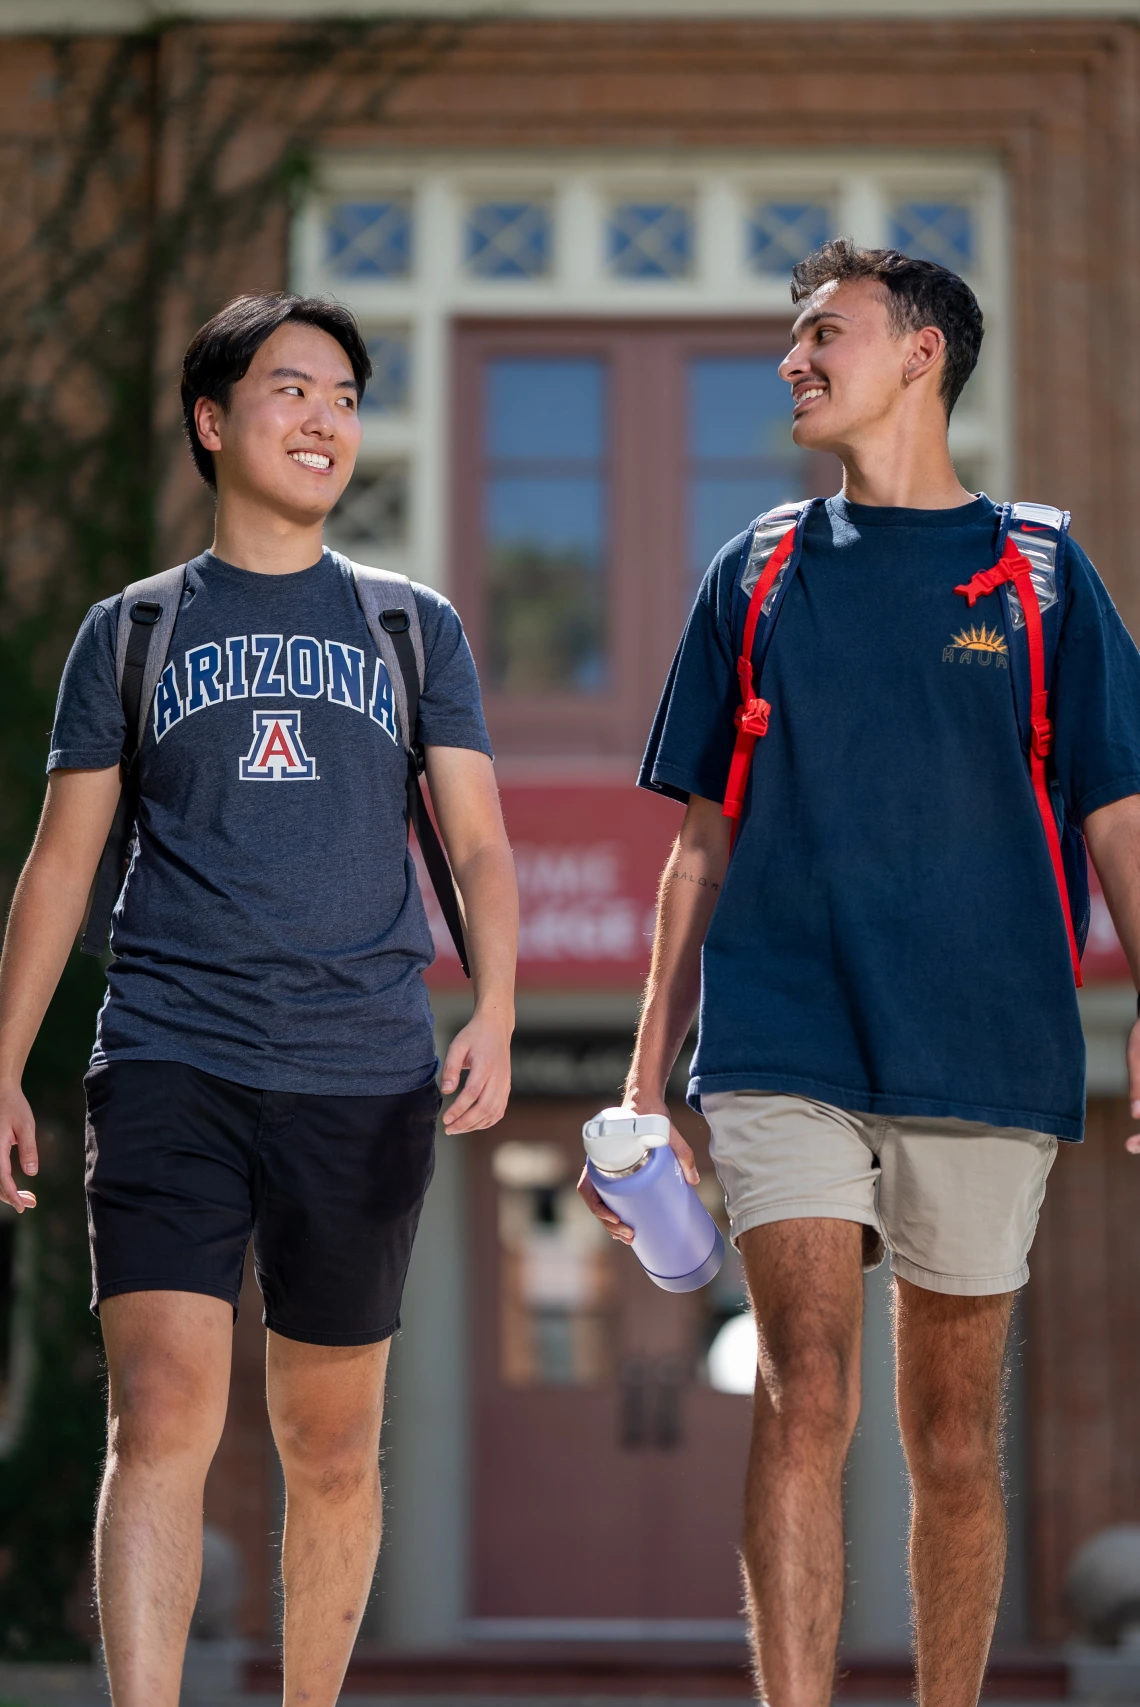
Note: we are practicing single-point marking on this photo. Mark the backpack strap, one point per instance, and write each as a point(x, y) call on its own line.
point(773, 557)
point(1015, 570)
point(148, 611)
point(388, 602)
point(379, 591)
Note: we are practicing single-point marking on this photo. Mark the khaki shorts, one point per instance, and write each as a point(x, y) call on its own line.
point(955, 1202)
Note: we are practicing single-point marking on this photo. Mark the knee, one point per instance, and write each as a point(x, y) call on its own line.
point(333, 1457)
point(950, 1448)
point(812, 1391)
point(158, 1412)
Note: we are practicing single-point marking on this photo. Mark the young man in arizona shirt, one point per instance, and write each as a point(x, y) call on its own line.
point(890, 1046)
point(264, 1064)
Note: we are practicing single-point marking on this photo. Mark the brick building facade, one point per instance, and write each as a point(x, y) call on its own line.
point(613, 195)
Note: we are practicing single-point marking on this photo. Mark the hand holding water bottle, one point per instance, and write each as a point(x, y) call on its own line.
point(612, 1222)
point(637, 1175)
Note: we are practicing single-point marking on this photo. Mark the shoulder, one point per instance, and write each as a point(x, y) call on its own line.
point(99, 628)
point(722, 577)
point(439, 620)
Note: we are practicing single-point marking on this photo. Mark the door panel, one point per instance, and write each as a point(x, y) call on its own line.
point(609, 1473)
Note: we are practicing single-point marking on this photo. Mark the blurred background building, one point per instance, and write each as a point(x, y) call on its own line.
point(566, 228)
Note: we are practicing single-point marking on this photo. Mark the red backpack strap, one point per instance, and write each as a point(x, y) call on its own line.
point(753, 712)
point(1013, 566)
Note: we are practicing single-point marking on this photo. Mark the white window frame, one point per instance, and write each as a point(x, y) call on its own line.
point(579, 188)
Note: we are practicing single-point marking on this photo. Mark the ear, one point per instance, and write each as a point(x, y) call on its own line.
point(922, 354)
point(208, 418)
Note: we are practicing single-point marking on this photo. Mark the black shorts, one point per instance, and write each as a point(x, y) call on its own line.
point(183, 1167)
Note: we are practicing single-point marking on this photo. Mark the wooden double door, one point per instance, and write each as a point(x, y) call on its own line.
point(608, 1469)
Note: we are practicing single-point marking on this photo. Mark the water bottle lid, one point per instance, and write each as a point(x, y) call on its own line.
point(617, 1139)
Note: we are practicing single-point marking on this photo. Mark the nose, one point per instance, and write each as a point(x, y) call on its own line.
point(793, 365)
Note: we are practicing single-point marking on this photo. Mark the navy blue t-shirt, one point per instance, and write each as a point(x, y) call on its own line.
point(889, 935)
point(271, 929)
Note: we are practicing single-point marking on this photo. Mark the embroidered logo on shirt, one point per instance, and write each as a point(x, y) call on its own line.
point(983, 645)
point(277, 754)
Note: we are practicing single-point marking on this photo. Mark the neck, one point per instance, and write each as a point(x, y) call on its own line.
point(251, 535)
point(905, 464)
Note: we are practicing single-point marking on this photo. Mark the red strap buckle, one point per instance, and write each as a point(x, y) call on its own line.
point(1042, 737)
point(752, 717)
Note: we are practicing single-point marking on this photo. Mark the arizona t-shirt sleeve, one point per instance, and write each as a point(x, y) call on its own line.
point(1096, 696)
point(89, 727)
point(690, 744)
point(451, 708)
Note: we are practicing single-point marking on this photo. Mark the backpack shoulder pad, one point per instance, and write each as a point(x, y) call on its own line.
point(378, 591)
point(1038, 531)
point(767, 532)
point(165, 590)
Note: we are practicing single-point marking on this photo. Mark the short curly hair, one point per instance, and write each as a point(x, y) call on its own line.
point(919, 293)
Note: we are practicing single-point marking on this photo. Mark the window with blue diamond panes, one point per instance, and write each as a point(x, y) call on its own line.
point(390, 352)
point(778, 234)
point(508, 240)
point(369, 240)
point(936, 231)
point(650, 240)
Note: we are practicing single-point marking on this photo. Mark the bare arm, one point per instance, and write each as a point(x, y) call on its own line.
point(1113, 836)
point(47, 911)
point(690, 888)
point(466, 800)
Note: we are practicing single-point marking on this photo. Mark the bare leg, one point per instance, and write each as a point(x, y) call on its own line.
point(806, 1282)
point(168, 1355)
point(950, 1353)
point(326, 1405)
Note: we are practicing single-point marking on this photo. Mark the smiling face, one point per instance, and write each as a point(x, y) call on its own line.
point(848, 367)
point(290, 435)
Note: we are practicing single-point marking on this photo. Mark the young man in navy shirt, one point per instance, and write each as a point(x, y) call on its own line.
point(890, 1046)
point(264, 1063)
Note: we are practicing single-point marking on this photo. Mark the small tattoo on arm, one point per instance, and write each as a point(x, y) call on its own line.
point(687, 877)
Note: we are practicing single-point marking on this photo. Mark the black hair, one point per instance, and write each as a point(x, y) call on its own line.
point(220, 352)
point(919, 293)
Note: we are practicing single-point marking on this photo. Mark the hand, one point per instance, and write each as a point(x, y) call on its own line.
point(17, 1132)
point(613, 1224)
point(483, 1049)
point(1133, 1058)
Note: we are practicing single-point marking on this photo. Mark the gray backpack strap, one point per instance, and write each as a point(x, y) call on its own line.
point(164, 590)
point(389, 606)
point(147, 614)
point(379, 590)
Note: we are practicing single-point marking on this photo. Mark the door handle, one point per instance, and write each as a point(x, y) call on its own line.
point(633, 1409)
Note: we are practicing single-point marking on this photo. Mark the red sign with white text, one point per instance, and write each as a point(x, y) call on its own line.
point(589, 856)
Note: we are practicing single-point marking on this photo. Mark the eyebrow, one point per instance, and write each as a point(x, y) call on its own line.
point(296, 373)
point(810, 320)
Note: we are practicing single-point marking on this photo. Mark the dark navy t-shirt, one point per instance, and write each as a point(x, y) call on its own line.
point(889, 936)
point(271, 929)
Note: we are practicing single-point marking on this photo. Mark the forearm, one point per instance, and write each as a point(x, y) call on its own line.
point(1113, 836)
point(690, 888)
point(47, 911)
point(486, 882)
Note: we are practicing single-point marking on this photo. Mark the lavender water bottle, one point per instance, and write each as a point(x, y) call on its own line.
point(636, 1174)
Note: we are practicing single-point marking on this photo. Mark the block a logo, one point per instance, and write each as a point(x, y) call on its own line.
point(277, 754)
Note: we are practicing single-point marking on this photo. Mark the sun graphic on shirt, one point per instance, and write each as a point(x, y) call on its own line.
point(981, 639)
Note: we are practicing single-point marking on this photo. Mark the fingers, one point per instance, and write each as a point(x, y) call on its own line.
point(612, 1223)
point(483, 1099)
point(10, 1192)
point(684, 1155)
point(1133, 1057)
point(453, 1065)
point(481, 1103)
